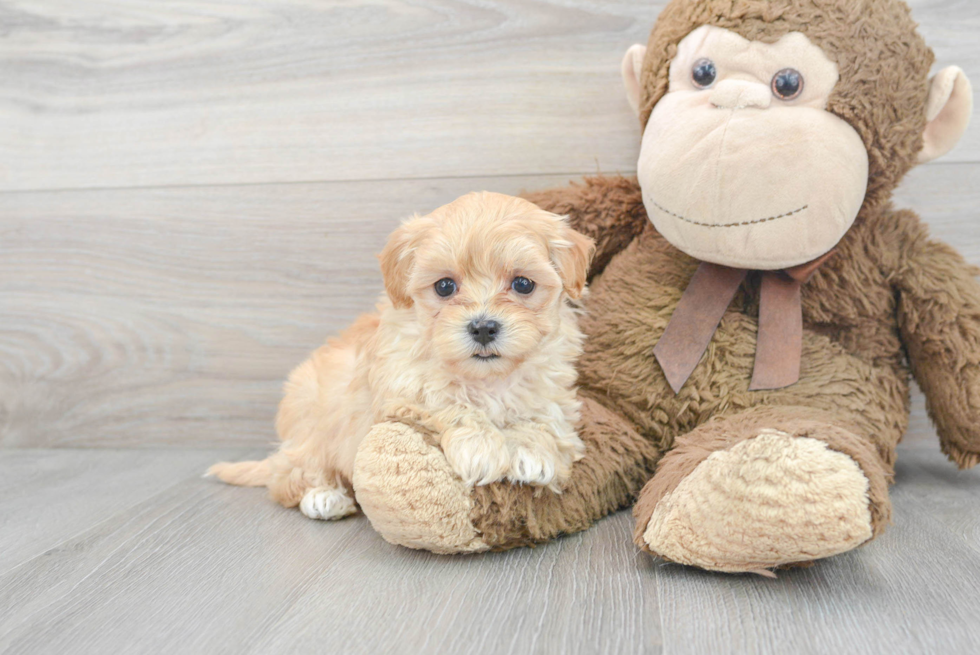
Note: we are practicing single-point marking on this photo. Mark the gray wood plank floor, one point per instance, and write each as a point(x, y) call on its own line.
point(60, 493)
point(191, 196)
point(190, 565)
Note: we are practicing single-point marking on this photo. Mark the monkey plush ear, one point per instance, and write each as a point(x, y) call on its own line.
point(572, 259)
point(948, 112)
point(632, 65)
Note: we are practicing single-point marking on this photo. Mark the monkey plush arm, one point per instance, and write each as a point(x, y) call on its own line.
point(939, 318)
point(608, 209)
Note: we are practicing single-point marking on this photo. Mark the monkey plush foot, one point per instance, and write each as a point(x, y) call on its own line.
point(410, 494)
point(762, 502)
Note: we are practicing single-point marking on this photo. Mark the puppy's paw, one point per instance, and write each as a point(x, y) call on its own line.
point(477, 456)
point(534, 465)
point(327, 503)
point(541, 458)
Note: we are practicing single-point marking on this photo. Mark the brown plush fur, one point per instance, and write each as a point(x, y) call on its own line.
point(890, 303)
point(609, 210)
point(618, 460)
point(723, 432)
point(882, 90)
point(855, 376)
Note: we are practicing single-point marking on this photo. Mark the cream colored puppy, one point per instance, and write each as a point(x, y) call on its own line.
point(475, 340)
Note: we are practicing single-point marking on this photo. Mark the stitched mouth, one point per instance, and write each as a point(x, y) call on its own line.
point(735, 224)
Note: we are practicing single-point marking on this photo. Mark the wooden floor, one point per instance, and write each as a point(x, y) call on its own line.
point(131, 551)
point(191, 196)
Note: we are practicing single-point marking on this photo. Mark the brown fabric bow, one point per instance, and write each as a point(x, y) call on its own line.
point(780, 338)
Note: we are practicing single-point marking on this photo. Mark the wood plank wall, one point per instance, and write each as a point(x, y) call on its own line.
point(192, 193)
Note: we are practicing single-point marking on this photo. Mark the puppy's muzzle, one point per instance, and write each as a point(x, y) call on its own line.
point(483, 331)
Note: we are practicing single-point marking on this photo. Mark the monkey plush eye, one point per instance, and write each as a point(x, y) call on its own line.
point(522, 285)
point(445, 287)
point(787, 84)
point(704, 73)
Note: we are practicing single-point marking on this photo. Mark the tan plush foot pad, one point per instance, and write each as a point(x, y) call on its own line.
point(410, 494)
point(767, 501)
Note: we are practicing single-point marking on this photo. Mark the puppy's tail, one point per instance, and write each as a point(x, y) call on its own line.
point(243, 474)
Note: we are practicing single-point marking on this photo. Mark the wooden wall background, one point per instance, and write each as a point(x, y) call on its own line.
point(191, 193)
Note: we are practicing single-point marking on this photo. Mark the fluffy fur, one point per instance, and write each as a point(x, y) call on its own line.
point(504, 409)
point(891, 304)
point(884, 66)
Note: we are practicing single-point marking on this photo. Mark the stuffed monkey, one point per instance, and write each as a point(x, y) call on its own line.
point(757, 305)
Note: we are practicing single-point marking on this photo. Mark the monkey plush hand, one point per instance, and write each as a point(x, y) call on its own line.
point(757, 304)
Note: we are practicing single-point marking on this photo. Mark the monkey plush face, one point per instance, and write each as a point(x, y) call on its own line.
point(741, 163)
point(767, 130)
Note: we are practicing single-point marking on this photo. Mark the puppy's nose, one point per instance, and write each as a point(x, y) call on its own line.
point(483, 331)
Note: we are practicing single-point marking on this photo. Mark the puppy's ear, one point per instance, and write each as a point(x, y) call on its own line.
point(398, 257)
point(572, 255)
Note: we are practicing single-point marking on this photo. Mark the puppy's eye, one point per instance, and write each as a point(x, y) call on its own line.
point(445, 287)
point(522, 285)
point(704, 73)
point(787, 84)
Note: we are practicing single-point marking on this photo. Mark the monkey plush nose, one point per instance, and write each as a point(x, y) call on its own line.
point(483, 331)
point(738, 94)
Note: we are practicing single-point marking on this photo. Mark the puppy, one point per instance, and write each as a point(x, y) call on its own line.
point(475, 340)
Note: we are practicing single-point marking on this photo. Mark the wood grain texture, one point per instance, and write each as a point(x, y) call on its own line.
point(145, 93)
point(171, 316)
point(100, 94)
point(201, 567)
point(50, 496)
